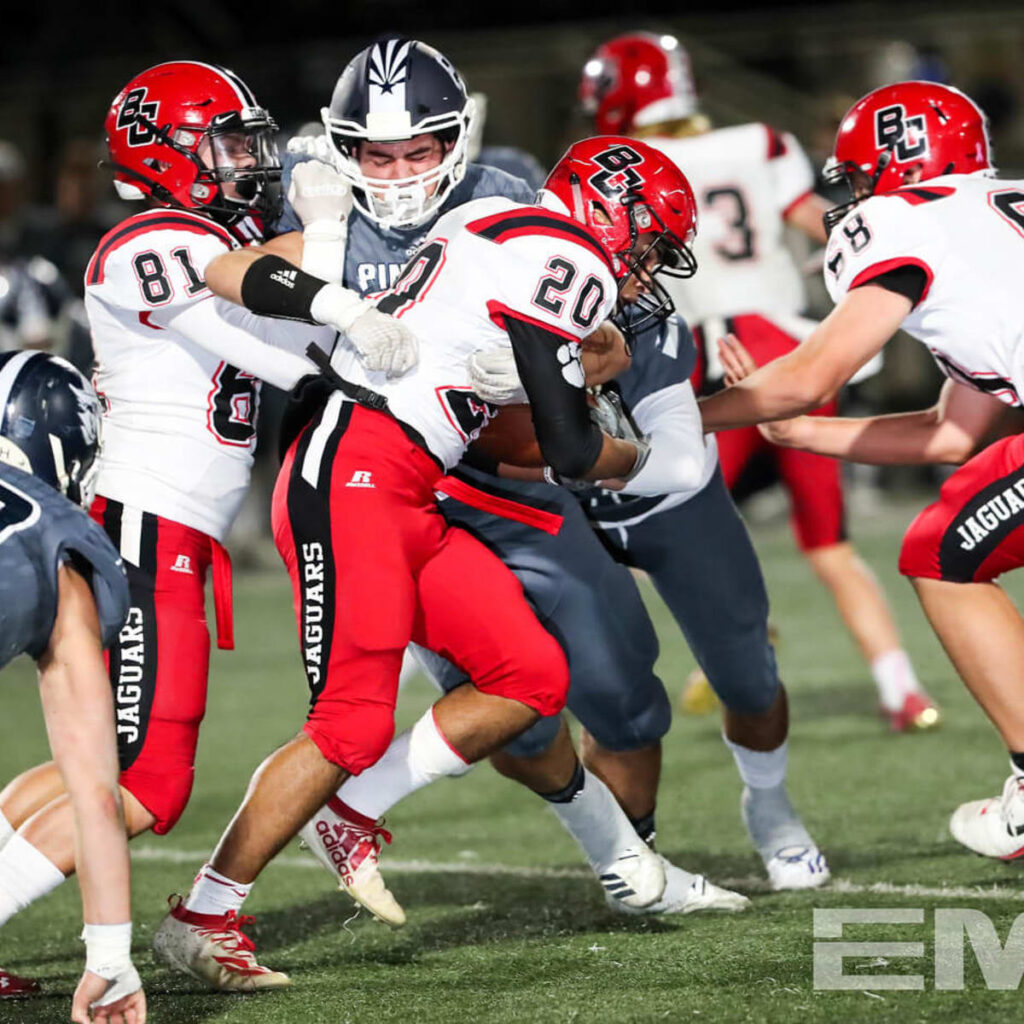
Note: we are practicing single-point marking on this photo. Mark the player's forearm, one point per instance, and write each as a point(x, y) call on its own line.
point(913, 438)
point(224, 275)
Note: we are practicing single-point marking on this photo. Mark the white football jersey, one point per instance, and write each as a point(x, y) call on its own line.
point(745, 180)
point(179, 426)
point(966, 233)
point(482, 261)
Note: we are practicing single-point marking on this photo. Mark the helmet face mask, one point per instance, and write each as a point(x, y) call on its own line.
point(191, 135)
point(50, 422)
point(904, 133)
point(398, 90)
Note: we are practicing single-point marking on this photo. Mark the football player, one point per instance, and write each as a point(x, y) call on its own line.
point(372, 561)
point(751, 182)
point(64, 598)
point(916, 156)
point(591, 603)
point(179, 375)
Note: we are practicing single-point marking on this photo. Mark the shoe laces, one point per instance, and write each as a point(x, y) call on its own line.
point(229, 933)
point(358, 839)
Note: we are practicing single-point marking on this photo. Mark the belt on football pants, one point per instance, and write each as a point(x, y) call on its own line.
point(222, 596)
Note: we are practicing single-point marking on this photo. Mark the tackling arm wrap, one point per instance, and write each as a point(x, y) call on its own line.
point(274, 287)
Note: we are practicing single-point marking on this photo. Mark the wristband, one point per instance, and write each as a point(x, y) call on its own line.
point(643, 453)
point(274, 287)
point(338, 307)
point(108, 949)
point(323, 249)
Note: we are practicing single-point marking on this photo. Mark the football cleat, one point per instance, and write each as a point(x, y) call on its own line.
point(918, 713)
point(214, 949)
point(797, 867)
point(698, 698)
point(635, 879)
point(13, 987)
point(993, 827)
point(686, 893)
point(351, 853)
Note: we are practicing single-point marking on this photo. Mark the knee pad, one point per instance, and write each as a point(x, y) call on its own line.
point(745, 676)
point(355, 739)
point(536, 740)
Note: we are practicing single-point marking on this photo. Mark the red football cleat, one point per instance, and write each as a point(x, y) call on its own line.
point(13, 987)
point(918, 713)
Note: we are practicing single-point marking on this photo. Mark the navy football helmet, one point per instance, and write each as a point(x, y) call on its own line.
point(394, 90)
point(49, 422)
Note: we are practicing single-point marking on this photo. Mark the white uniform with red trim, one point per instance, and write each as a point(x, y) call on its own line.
point(966, 233)
point(483, 260)
point(179, 429)
point(745, 180)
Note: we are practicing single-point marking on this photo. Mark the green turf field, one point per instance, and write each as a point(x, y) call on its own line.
point(504, 924)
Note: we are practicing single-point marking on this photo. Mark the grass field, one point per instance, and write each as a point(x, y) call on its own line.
point(504, 924)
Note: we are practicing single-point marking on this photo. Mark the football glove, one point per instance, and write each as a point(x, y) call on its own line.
point(494, 377)
point(319, 193)
point(608, 412)
point(316, 146)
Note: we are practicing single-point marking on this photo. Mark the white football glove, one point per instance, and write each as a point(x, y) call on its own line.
point(494, 377)
point(316, 146)
point(384, 344)
point(319, 193)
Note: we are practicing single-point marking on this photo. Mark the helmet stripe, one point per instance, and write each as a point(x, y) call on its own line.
point(9, 375)
point(245, 96)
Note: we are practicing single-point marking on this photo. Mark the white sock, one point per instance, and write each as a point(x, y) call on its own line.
point(895, 678)
point(214, 893)
point(414, 759)
point(759, 769)
point(6, 830)
point(25, 875)
point(595, 820)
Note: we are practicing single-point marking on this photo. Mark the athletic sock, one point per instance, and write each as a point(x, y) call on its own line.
point(214, 893)
point(25, 874)
point(414, 759)
point(895, 678)
point(759, 769)
point(6, 830)
point(645, 828)
point(592, 816)
point(1017, 766)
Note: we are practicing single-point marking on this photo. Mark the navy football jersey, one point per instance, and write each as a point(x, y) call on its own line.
point(374, 257)
point(40, 530)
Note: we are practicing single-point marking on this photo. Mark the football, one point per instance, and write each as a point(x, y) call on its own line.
point(510, 437)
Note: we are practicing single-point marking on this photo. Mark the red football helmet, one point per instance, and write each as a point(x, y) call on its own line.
point(163, 117)
point(635, 80)
point(903, 127)
point(621, 189)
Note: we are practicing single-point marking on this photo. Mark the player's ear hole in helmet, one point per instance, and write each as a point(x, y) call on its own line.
point(395, 90)
point(192, 135)
point(903, 134)
point(49, 422)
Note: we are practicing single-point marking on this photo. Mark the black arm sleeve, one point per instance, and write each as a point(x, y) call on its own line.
point(274, 287)
point(908, 281)
point(569, 441)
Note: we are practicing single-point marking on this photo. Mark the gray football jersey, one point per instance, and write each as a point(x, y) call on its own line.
point(374, 257)
point(39, 531)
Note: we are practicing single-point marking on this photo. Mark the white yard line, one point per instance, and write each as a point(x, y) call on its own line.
point(195, 858)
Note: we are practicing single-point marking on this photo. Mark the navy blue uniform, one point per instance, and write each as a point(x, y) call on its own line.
point(696, 551)
point(40, 530)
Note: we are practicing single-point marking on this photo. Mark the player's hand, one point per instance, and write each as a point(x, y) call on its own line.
point(604, 354)
point(121, 1001)
point(319, 193)
point(316, 146)
point(495, 378)
point(384, 344)
point(738, 362)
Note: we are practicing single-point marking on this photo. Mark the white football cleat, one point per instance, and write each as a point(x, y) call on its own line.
point(797, 867)
point(993, 827)
point(686, 893)
point(351, 853)
point(214, 949)
point(635, 879)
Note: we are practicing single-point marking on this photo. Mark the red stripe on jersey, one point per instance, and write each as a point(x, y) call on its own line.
point(917, 196)
point(150, 220)
point(868, 274)
point(549, 522)
point(776, 143)
point(796, 202)
point(533, 220)
point(498, 311)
